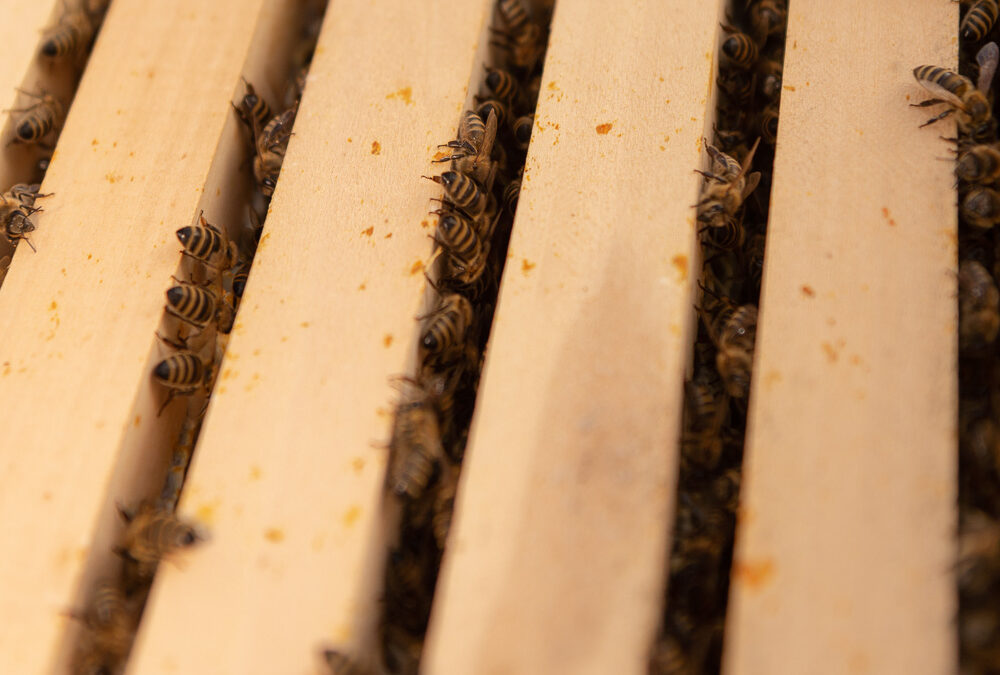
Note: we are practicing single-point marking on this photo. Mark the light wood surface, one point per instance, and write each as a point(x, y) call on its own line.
point(557, 560)
point(288, 478)
point(845, 542)
point(145, 146)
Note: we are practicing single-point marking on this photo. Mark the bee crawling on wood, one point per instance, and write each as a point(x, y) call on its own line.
point(16, 205)
point(208, 244)
point(270, 142)
point(415, 449)
point(252, 109)
point(182, 373)
point(728, 186)
point(193, 304)
point(38, 120)
point(151, 535)
point(463, 193)
point(468, 253)
point(970, 104)
point(473, 148)
point(446, 328)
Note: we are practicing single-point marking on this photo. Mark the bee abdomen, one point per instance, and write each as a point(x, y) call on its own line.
point(192, 303)
point(514, 15)
point(501, 83)
point(182, 370)
point(979, 20)
point(464, 192)
point(741, 50)
point(460, 238)
point(200, 242)
point(448, 327)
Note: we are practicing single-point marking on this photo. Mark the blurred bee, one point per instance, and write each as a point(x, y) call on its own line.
point(979, 20)
point(767, 18)
point(707, 403)
point(728, 186)
point(969, 104)
point(981, 207)
point(70, 37)
point(501, 84)
point(769, 124)
point(978, 567)
point(731, 142)
point(4, 267)
point(755, 260)
point(182, 373)
point(733, 331)
point(340, 663)
point(979, 305)
point(670, 658)
point(510, 195)
point(38, 120)
point(240, 279)
point(463, 192)
point(979, 164)
point(770, 72)
point(739, 48)
point(524, 47)
point(415, 449)
point(514, 15)
point(484, 108)
point(522, 130)
point(207, 243)
point(271, 142)
point(193, 304)
point(473, 147)
point(109, 621)
point(444, 504)
point(151, 535)
point(446, 328)
point(467, 253)
point(401, 649)
point(252, 109)
point(726, 234)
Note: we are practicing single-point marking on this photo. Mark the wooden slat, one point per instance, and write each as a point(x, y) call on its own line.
point(558, 557)
point(845, 543)
point(286, 478)
point(151, 131)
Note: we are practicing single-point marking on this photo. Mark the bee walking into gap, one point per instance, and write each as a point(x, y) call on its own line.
point(968, 103)
point(38, 120)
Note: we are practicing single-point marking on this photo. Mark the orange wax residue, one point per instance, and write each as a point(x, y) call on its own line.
point(604, 128)
point(754, 574)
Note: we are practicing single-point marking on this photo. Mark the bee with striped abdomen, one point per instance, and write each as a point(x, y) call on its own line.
point(769, 124)
point(39, 119)
point(728, 186)
point(981, 207)
point(522, 130)
point(514, 15)
point(740, 49)
point(978, 306)
point(511, 193)
point(445, 331)
point(770, 72)
point(979, 20)
point(524, 46)
point(70, 37)
point(467, 253)
point(252, 109)
point(271, 142)
point(444, 504)
point(463, 192)
point(151, 535)
point(979, 164)
point(415, 449)
point(968, 103)
point(193, 304)
point(501, 84)
point(473, 148)
point(767, 18)
point(182, 373)
point(207, 243)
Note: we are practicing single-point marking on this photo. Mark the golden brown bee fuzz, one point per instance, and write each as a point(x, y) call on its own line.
point(271, 142)
point(340, 663)
point(444, 505)
point(151, 535)
point(968, 103)
point(207, 243)
point(514, 15)
point(727, 187)
point(38, 119)
point(445, 331)
point(739, 48)
point(415, 449)
point(979, 164)
point(501, 84)
point(110, 620)
point(981, 207)
point(69, 38)
point(978, 306)
point(979, 20)
point(768, 18)
point(467, 254)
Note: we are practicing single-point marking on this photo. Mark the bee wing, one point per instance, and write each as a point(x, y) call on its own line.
point(751, 184)
point(486, 147)
point(987, 58)
point(940, 92)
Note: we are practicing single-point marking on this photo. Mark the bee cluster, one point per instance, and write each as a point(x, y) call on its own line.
point(199, 315)
point(966, 96)
point(63, 52)
point(431, 425)
point(732, 220)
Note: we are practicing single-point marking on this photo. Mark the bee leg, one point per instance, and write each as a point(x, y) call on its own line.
point(932, 120)
point(928, 102)
point(179, 343)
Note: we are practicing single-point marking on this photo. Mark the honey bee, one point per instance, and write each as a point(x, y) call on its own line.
point(737, 85)
point(252, 109)
point(17, 226)
point(467, 253)
point(739, 48)
point(240, 279)
point(151, 535)
point(979, 164)
point(340, 663)
point(770, 72)
point(182, 373)
point(70, 37)
point(38, 120)
point(767, 18)
point(514, 15)
point(670, 658)
point(733, 331)
point(524, 46)
point(522, 130)
point(415, 449)
point(726, 234)
point(707, 404)
point(271, 142)
point(445, 331)
point(463, 192)
point(444, 504)
point(979, 20)
point(193, 304)
point(729, 185)
point(473, 147)
point(110, 621)
point(207, 243)
point(978, 566)
point(769, 124)
point(501, 84)
point(510, 195)
point(969, 104)
point(979, 305)
point(981, 207)
point(484, 108)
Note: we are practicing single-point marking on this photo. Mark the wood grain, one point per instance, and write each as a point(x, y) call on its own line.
point(150, 139)
point(289, 475)
point(846, 536)
point(557, 560)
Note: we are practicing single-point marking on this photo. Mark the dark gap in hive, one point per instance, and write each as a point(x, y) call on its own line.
point(438, 402)
point(751, 58)
point(62, 54)
point(978, 569)
point(116, 604)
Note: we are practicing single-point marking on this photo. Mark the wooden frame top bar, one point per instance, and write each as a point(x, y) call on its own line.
point(846, 538)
